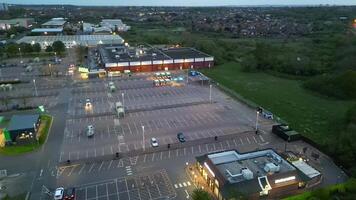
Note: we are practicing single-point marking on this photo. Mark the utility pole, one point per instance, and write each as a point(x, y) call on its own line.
point(20, 55)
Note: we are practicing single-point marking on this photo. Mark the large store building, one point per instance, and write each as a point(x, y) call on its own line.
point(146, 59)
point(254, 175)
point(71, 41)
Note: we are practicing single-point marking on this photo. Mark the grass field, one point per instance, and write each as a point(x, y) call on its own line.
point(16, 150)
point(340, 191)
point(314, 116)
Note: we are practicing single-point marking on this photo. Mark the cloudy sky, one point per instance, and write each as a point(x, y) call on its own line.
point(184, 2)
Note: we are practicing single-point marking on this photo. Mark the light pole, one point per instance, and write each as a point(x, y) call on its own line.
point(257, 114)
point(20, 55)
point(210, 86)
point(50, 69)
point(34, 83)
point(143, 138)
point(123, 102)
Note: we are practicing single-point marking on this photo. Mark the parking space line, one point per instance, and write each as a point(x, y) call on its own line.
point(242, 143)
point(81, 169)
point(109, 166)
point(248, 140)
point(91, 167)
point(153, 156)
point(255, 139)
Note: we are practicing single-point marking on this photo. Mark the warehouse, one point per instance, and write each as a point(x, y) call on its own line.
point(146, 59)
point(71, 41)
point(253, 174)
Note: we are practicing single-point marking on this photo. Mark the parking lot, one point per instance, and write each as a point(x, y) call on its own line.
point(152, 186)
point(242, 142)
point(162, 111)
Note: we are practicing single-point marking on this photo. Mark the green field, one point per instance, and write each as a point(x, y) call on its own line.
point(312, 115)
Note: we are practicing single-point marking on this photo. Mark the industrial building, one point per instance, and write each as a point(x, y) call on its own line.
point(254, 174)
point(55, 23)
point(17, 22)
point(71, 41)
point(145, 59)
point(47, 31)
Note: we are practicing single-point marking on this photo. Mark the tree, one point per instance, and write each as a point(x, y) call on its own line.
point(49, 49)
point(6, 101)
point(58, 46)
point(12, 49)
point(200, 194)
point(36, 47)
point(26, 48)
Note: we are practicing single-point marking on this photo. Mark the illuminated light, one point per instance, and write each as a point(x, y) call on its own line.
point(284, 179)
point(211, 171)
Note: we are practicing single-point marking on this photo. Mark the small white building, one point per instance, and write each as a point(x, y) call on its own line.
point(114, 24)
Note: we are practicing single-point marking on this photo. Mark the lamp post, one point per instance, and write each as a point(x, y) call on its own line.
point(257, 114)
point(20, 55)
point(123, 102)
point(210, 86)
point(34, 83)
point(143, 138)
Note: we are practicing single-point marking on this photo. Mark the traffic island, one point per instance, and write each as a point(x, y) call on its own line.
point(25, 133)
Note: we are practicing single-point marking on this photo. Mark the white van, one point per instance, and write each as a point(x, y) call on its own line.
point(90, 131)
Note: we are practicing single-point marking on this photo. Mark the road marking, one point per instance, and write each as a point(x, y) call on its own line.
point(184, 184)
point(110, 164)
point(176, 186)
point(180, 185)
point(188, 183)
point(91, 167)
point(81, 169)
point(235, 142)
point(71, 171)
point(153, 156)
point(263, 140)
point(242, 143)
point(248, 140)
point(255, 139)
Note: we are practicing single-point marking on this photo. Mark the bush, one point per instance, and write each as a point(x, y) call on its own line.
point(342, 86)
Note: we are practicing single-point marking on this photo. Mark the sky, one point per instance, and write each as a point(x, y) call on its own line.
point(183, 2)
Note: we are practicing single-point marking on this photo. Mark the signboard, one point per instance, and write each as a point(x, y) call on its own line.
point(83, 70)
point(209, 59)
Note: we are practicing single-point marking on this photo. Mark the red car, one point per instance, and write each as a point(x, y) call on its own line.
point(69, 194)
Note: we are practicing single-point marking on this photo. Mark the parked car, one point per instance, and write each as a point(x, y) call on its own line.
point(87, 103)
point(181, 137)
point(69, 194)
point(154, 142)
point(90, 131)
point(58, 194)
point(267, 115)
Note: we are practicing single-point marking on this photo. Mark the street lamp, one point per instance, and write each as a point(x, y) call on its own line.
point(20, 55)
point(143, 138)
point(34, 83)
point(123, 102)
point(257, 114)
point(210, 86)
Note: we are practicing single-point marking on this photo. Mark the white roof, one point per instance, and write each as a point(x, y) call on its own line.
point(306, 169)
point(41, 30)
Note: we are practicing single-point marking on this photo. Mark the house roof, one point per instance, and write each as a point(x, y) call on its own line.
point(20, 122)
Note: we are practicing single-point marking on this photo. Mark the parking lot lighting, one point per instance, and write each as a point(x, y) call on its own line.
point(123, 102)
point(210, 86)
point(34, 83)
point(143, 138)
point(257, 114)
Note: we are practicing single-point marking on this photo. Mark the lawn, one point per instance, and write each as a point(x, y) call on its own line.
point(16, 150)
point(312, 115)
point(340, 191)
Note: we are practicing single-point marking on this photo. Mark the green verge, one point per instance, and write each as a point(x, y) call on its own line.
point(314, 116)
point(21, 149)
point(17, 197)
point(345, 190)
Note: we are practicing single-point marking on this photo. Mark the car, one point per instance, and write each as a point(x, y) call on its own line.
point(181, 137)
point(154, 142)
point(267, 115)
point(90, 131)
point(69, 194)
point(58, 194)
point(87, 103)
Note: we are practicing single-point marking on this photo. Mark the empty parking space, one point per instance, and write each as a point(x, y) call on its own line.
point(153, 186)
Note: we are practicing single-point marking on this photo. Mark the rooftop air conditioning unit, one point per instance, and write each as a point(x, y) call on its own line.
point(271, 167)
point(247, 174)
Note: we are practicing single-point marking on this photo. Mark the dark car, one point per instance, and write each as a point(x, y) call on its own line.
point(181, 137)
point(69, 194)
